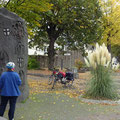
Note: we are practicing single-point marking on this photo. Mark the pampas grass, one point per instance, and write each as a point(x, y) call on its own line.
point(101, 84)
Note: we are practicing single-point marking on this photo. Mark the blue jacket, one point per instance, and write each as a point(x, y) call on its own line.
point(9, 84)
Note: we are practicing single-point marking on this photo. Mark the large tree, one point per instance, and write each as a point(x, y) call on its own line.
point(111, 22)
point(71, 22)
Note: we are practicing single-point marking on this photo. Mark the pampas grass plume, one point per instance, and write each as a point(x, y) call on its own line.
point(103, 61)
point(107, 64)
point(97, 57)
point(108, 57)
point(100, 56)
point(94, 56)
point(86, 61)
point(97, 46)
point(91, 60)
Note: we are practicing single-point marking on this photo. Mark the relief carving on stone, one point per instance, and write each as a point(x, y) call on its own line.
point(3, 60)
point(18, 30)
point(20, 49)
point(20, 62)
point(6, 31)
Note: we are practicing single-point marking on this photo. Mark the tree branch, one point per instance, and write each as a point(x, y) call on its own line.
point(20, 2)
point(115, 33)
point(7, 4)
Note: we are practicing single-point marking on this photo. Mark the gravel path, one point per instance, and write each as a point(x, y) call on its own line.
point(61, 107)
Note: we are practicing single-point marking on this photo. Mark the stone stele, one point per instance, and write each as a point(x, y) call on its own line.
point(14, 47)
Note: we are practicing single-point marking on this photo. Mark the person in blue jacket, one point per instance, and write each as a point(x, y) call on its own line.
point(9, 87)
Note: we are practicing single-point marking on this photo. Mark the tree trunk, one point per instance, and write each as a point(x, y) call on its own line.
point(52, 35)
point(109, 47)
point(51, 54)
point(109, 43)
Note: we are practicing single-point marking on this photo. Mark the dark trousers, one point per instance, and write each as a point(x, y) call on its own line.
point(12, 102)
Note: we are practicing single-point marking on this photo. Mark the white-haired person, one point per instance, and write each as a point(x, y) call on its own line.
point(9, 87)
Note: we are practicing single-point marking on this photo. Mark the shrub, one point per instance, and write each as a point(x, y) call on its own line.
point(78, 64)
point(33, 63)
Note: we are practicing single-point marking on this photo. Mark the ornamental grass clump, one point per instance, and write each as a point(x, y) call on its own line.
point(101, 85)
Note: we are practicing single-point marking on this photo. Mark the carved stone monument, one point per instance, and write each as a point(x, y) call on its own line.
point(13, 46)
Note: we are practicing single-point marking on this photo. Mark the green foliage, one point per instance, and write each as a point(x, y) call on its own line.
point(65, 22)
point(33, 63)
point(30, 10)
point(80, 25)
point(68, 22)
point(101, 85)
point(110, 22)
point(78, 63)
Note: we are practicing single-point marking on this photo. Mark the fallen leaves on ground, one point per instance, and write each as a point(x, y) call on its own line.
point(40, 85)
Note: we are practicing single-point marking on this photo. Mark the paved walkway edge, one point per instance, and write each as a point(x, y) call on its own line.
point(110, 102)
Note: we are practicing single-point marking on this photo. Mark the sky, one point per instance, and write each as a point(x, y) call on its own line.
point(33, 51)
